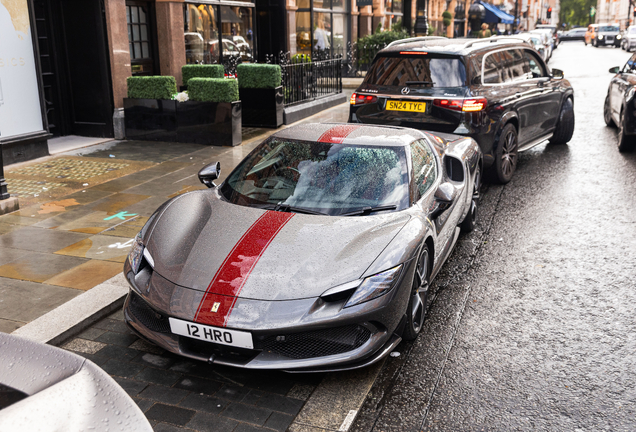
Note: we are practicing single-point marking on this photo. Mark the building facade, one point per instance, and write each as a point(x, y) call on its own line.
point(64, 63)
point(619, 12)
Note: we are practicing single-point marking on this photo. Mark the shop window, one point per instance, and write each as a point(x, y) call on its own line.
point(213, 32)
point(322, 28)
point(139, 37)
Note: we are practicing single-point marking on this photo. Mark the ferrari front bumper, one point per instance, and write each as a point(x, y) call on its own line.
point(304, 335)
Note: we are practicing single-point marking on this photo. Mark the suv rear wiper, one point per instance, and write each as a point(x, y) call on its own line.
point(368, 210)
point(419, 83)
point(287, 208)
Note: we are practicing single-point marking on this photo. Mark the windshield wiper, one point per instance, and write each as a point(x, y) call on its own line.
point(369, 210)
point(287, 208)
point(419, 83)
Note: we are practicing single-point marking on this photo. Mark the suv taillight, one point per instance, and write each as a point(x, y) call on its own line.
point(466, 105)
point(360, 99)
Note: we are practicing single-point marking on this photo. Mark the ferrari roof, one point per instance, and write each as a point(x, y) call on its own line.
point(348, 133)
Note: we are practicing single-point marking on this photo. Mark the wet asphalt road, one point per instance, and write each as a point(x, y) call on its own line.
point(533, 323)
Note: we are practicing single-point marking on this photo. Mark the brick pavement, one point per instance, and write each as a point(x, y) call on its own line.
point(178, 394)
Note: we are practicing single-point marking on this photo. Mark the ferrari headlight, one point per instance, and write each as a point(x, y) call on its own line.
point(138, 253)
point(375, 286)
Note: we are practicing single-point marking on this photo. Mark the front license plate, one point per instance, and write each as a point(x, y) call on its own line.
point(218, 335)
point(395, 105)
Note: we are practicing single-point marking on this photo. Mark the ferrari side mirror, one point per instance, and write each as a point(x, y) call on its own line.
point(614, 70)
point(209, 173)
point(444, 197)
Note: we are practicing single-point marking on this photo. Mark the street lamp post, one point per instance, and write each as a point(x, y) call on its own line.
point(421, 20)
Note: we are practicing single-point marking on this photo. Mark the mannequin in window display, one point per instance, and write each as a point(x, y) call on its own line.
point(193, 39)
point(321, 37)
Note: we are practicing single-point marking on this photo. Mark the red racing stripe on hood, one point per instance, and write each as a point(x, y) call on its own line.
point(220, 296)
point(337, 134)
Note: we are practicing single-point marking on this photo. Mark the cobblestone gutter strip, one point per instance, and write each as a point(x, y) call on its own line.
point(77, 314)
point(334, 405)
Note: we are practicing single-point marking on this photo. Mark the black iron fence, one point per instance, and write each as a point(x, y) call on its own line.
point(306, 79)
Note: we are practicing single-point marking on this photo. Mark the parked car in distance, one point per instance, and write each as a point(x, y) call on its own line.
point(535, 41)
point(605, 34)
point(619, 109)
point(553, 30)
point(498, 91)
point(547, 40)
point(574, 35)
point(315, 254)
point(44, 388)
point(628, 40)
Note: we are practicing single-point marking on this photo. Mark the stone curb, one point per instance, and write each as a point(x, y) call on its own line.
point(76, 315)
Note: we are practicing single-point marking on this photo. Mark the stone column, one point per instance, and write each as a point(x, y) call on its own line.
point(170, 38)
point(450, 30)
point(366, 21)
point(119, 53)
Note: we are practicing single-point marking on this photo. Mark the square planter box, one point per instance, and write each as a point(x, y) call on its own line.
point(208, 123)
point(150, 119)
point(262, 107)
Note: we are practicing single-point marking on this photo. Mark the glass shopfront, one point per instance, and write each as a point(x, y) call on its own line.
point(219, 30)
point(322, 27)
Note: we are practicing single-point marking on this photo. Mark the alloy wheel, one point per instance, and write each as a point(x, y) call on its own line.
point(509, 154)
point(420, 291)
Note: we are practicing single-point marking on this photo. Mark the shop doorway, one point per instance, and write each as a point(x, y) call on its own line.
point(75, 67)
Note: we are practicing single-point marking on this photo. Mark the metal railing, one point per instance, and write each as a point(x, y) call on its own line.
point(304, 80)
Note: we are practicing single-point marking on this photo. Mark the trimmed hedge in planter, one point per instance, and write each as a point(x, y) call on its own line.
point(201, 71)
point(213, 90)
point(151, 87)
point(252, 75)
point(200, 121)
point(261, 94)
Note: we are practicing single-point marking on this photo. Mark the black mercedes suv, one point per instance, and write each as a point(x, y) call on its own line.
point(498, 91)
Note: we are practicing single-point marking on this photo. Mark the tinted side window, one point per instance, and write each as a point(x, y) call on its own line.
point(536, 67)
point(519, 68)
point(424, 166)
point(491, 71)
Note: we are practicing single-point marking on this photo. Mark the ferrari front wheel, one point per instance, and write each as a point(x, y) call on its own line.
point(416, 309)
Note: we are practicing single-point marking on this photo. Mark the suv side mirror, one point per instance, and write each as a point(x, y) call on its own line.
point(557, 74)
point(615, 69)
point(209, 173)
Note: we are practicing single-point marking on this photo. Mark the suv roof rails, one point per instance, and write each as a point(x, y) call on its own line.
point(414, 39)
point(493, 39)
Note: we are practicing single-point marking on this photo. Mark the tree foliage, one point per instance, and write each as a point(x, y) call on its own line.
point(576, 12)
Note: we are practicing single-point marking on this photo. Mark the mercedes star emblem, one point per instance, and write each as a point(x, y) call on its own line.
point(406, 90)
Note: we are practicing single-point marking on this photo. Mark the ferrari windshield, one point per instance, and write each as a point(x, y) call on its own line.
point(327, 178)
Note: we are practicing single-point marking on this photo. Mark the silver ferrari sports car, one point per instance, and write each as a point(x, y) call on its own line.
point(315, 254)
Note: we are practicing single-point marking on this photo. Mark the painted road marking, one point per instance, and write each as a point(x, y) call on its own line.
point(121, 215)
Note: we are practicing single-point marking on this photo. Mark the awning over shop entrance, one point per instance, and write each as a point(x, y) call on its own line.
point(496, 15)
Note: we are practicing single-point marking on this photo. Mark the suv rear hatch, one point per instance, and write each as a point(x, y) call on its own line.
point(413, 89)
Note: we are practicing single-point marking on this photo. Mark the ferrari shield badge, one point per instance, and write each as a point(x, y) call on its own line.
point(215, 307)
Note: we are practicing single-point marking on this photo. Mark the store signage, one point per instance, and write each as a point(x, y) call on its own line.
point(19, 94)
point(362, 3)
